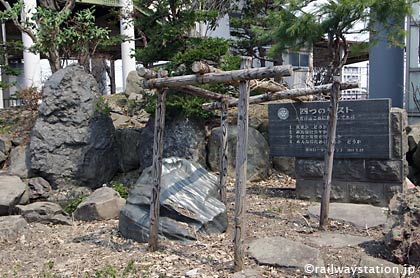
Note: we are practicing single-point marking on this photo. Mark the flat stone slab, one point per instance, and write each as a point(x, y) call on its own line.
point(11, 226)
point(363, 216)
point(336, 240)
point(378, 268)
point(44, 212)
point(282, 252)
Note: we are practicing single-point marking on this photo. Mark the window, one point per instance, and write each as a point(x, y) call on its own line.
point(299, 60)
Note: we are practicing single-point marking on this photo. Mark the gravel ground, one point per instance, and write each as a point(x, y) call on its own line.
point(97, 249)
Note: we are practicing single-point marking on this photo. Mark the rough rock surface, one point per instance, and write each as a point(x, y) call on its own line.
point(44, 212)
point(11, 226)
point(39, 188)
point(413, 136)
point(5, 146)
point(188, 203)
point(128, 146)
point(12, 192)
point(103, 203)
point(72, 141)
point(184, 137)
point(20, 162)
point(285, 165)
point(258, 153)
point(282, 252)
point(133, 83)
point(403, 226)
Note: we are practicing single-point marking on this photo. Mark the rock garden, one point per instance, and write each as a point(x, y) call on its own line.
point(76, 187)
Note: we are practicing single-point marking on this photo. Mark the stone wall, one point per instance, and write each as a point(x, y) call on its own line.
point(359, 180)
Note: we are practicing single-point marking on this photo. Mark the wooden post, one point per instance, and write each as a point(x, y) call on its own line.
point(329, 155)
point(158, 145)
point(241, 166)
point(223, 171)
point(112, 78)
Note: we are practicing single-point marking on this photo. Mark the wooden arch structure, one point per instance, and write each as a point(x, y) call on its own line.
point(244, 78)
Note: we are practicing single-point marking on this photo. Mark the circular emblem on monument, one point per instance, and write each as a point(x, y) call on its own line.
point(283, 113)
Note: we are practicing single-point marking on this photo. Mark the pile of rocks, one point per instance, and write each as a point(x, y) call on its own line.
point(403, 227)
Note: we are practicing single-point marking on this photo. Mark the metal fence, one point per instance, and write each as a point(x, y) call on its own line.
point(12, 102)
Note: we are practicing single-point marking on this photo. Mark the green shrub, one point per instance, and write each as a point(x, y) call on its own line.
point(103, 107)
point(72, 205)
point(120, 188)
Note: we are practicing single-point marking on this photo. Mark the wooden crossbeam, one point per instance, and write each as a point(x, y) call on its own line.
point(217, 77)
point(287, 94)
point(260, 86)
point(197, 91)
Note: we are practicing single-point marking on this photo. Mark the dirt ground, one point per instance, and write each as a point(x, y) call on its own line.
point(98, 250)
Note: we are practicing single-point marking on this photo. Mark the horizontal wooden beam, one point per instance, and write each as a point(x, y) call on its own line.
point(217, 77)
point(197, 91)
point(287, 94)
point(260, 86)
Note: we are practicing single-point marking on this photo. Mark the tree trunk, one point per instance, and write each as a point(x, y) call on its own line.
point(329, 155)
point(54, 60)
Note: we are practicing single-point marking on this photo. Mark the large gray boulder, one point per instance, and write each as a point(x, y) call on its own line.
point(184, 137)
point(259, 165)
point(104, 203)
point(20, 162)
point(44, 212)
point(12, 192)
point(188, 200)
point(128, 146)
point(73, 141)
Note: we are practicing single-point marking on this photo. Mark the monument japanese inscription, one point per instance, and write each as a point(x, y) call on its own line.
point(300, 129)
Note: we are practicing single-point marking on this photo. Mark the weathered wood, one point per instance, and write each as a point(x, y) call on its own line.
point(149, 73)
point(197, 91)
point(223, 171)
point(202, 67)
point(329, 155)
point(241, 166)
point(288, 94)
point(217, 77)
point(261, 86)
point(157, 169)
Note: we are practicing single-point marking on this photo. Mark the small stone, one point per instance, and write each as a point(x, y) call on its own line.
point(11, 226)
point(44, 212)
point(103, 203)
point(12, 192)
point(192, 272)
point(39, 188)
